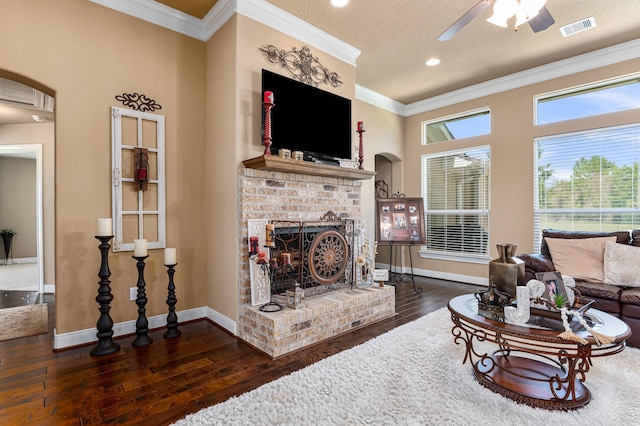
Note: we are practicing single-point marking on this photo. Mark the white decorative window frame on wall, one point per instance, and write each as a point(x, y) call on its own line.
point(117, 205)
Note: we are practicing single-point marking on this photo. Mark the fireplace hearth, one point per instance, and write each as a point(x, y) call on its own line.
point(321, 246)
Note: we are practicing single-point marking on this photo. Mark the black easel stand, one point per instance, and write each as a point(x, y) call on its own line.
point(400, 277)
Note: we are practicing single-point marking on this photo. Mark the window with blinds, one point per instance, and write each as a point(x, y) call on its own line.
point(456, 193)
point(588, 181)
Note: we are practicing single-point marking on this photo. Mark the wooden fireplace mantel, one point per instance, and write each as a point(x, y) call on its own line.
point(278, 164)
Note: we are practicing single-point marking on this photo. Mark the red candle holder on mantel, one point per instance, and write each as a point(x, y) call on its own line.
point(360, 149)
point(268, 104)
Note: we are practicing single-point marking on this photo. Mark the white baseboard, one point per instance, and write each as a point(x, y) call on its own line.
point(82, 337)
point(222, 321)
point(469, 279)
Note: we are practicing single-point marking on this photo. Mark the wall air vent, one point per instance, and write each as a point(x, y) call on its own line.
point(577, 27)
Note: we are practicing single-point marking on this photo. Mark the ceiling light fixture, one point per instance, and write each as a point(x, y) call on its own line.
point(338, 3)
point(523, 10)
point(38, 118)
point(432, 62)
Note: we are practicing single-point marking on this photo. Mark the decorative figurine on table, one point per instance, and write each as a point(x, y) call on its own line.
point(491, 302)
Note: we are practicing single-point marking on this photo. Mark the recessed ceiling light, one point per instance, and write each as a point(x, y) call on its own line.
point(432, 62)
point(338, 3)
point(39, 118)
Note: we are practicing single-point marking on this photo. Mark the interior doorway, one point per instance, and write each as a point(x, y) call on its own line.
point(22, 266)
point(27, 134)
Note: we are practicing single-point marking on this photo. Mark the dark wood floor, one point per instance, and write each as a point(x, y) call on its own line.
point(162, 382)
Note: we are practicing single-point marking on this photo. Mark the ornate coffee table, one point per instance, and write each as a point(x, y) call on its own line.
point(531, 364)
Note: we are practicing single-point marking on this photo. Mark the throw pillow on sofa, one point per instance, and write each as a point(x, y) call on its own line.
point(581, 259)
point(621, 265)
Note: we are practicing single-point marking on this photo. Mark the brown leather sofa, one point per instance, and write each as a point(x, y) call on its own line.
point(622, 302)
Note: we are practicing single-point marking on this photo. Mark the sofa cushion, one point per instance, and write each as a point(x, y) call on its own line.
point(631, 296)
point(631, 311)
point(635, 237)
point(581, 259)
point(621, 265)
point(622, 237)
point(599, 290)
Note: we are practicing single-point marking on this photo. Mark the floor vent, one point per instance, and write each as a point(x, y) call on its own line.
point(577, 27)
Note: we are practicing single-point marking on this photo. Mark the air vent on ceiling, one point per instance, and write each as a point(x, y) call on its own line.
point(577, 27)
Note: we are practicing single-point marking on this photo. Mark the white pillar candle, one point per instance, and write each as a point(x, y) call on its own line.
point(139, 248)
point(170, 256)
point(104, 227)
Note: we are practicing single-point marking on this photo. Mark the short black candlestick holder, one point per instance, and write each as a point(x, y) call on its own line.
point(172, 318)
point(105, 345)
point(142, 324)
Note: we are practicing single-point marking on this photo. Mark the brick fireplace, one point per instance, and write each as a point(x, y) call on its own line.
point(281, 195)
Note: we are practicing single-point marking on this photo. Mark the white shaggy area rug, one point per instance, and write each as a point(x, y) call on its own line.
point(413, 375)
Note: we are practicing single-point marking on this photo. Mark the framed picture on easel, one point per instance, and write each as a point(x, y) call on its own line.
point(400, 221)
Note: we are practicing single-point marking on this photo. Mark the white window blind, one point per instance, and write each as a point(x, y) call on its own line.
point(137, 214)
point(455, 189)
point(587, 181)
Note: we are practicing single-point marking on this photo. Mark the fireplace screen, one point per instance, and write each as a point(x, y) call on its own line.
point(316, 255)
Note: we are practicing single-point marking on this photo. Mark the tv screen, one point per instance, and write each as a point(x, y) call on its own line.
point(308, 119)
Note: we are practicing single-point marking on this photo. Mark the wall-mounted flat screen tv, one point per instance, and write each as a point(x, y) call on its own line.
point(308, 119)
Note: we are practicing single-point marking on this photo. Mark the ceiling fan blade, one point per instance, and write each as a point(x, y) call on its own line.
point(542, 20)
point(465, 19)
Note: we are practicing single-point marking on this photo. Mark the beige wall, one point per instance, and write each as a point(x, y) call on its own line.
point(383, 136)
point(511, 142)
point(87, 54)
point(221, 159)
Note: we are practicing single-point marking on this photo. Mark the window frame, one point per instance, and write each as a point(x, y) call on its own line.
point(117, 179)
point(468, 257)
point(579, 90)
point(455, 117)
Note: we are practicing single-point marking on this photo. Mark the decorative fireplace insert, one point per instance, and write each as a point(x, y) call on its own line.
point(318, 255)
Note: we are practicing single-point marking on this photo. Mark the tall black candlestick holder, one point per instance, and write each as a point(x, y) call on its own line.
point(142, 324)
point(360, 150)
point(105, 345)
point(172, 318)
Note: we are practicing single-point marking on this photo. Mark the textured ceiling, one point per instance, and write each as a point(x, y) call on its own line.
point(396, 37)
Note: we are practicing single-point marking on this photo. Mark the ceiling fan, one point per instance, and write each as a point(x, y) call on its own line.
point(532, 11)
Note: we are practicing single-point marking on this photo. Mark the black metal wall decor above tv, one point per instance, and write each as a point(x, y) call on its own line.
point(308, 119)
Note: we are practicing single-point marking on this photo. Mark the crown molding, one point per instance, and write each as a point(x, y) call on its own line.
point(267, 14)
point(374, 98)
point(158, 14)
point(258, 10)
point(220, 13)
point(585, 62)
point(278, 19)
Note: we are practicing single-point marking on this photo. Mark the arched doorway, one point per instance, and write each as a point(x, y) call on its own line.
point(27, 184)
